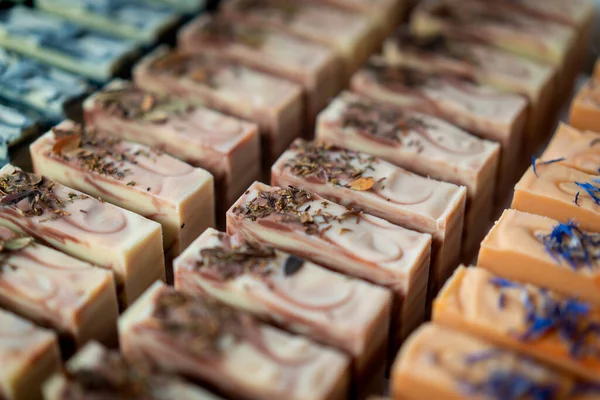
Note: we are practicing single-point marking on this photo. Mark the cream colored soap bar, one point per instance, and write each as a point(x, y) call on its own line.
point(28, 356)
point(442, 363)
point(133, 176)
point(481, 110)
point(561, 193)
point(72, 297)
point(84, 227)
point(366, 183)
point(557, 330)
point(575, 149)
point(206, 340)
point(544, 252)
point(347, 241)
point(275, 104)
point(254, 44)
point(299, 295)
point(227, 147)
point(117, 379)
point(422, 144)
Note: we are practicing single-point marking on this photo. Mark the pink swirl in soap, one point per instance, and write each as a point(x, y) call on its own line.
point(98, 219)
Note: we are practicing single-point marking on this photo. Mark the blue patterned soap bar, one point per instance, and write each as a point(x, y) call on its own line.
point(41, 87)
point(133, 19)
point(58, 42)
point(187, 6)
point(15, 125)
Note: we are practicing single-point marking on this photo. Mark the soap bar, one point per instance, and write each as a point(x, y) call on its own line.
point(351, 35)
point(206, 340)
point(347, 241)
point(132, 176)
point(561, 193)
point(227, 147)
point(187, 6)
point(39, 86)
point(254, 44)
point(544, 252)
point(16, 124)
point(84, 227)
point(273, 103)
point(485, 112)
point(72, 297)
point(575, 149)
point(134, 19)
point(497, 68)
point(96, 372)
point(28, 355)
point(557, 330)
point(294, 293)
point(585, 108)
point(63, 44)
point(422, 144)
point(442, 363)
point(363, 182)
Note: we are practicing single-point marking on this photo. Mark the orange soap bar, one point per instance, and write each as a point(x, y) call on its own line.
point(575, 149)
point(585, 108)
point(541, 251)
point(561, 193)
point(539, 323)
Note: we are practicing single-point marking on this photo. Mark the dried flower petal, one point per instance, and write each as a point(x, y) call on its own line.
point(362, 184)
point(66, 144)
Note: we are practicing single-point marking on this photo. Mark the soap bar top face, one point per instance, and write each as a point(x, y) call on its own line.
point(575, 149)
point(45, 36)
point(565, 12)
point(96, 372)
point(439, 362)
point(560, 330)
point(37, 85)
point(207, 340)
point(15, 124)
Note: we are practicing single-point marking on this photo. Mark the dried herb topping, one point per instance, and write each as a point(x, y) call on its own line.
point(567, 242)
point(233, 262)
point(197, 67)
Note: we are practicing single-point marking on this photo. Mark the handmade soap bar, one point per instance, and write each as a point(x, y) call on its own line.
point(130, 175)
point(483, 111)
point(84, 227)
point(36, 85)
point(421, 144)
point(274, 104)
point(294, 293)
point(575, 149)
point(557, 330)
point(16, 124)
point(28, 356)
point(561, 193)
point(504, 71)
point(366, 183)
point(228, 349)
point(315, 67)
point(61, 43)
point(544, 252)
point(347, 241)
point(72, 297)
point(227, 147)
point(351, 35)
point(98, 373)
point(133, 19)
point(442, 363)
point(585, 108)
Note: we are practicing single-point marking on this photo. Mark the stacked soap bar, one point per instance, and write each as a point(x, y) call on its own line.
point(296, 294)
point(98, 373)
point(251, 43)
point(274, 104)
point(134, 19)
point(45, 89)
point(585, 108)
point(227, 147)
point(574, 149)
point(16, 124)
point(84, 227)
point(366, 183)
point(133, 176)
point(58, 42)
point(28, 355)
point(345, 240)
point(53, 289)
point(422, 144)
point(206, 340)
